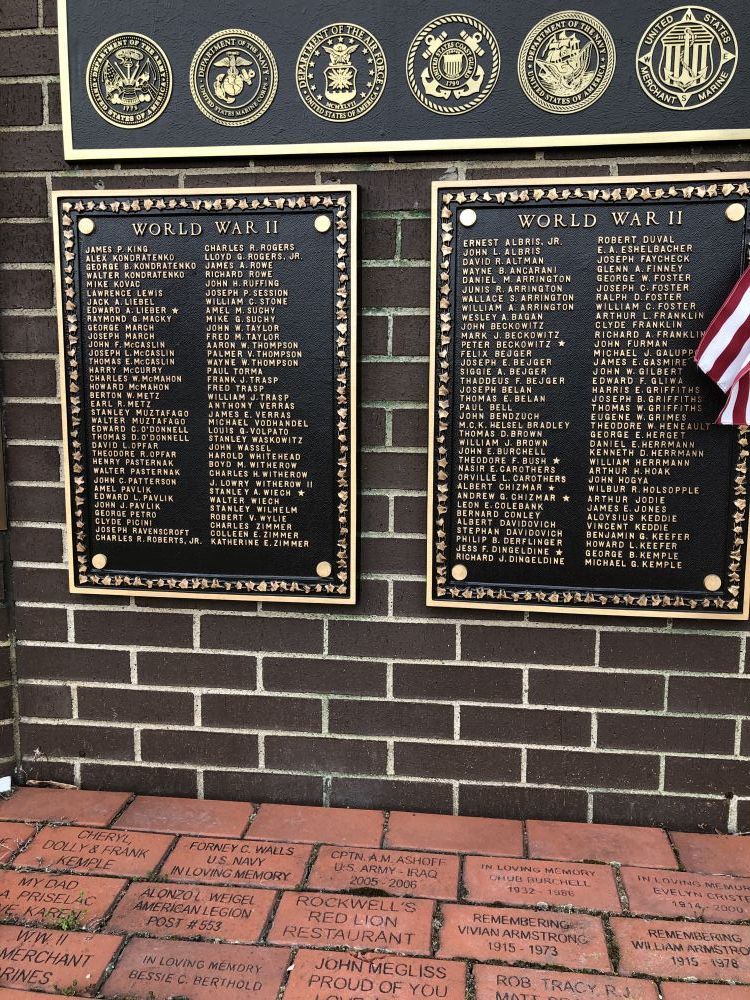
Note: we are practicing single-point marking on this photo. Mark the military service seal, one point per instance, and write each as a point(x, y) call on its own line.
point(341, 72)
point(453, 64)
point(129, 80)
point(567, 62)
point(687, 58)
point(233, 77)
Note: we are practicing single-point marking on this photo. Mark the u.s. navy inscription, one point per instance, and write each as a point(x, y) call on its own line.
point(209, 423)
point(575, 463)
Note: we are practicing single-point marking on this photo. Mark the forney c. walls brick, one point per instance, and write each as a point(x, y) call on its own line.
point(390, 703)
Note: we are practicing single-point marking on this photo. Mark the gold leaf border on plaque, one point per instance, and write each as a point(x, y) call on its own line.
point(442, 590)
point(339, 200)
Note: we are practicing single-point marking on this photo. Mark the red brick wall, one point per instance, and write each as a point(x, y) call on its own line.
point(389, 704)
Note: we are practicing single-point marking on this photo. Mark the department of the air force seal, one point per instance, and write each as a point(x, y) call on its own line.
point(341, 72)
point(566, 62)
point(687, 57)
point(233, 77)
point(129, 80)
point(453, 64)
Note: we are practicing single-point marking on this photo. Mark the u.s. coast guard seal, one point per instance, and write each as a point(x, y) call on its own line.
point(453, 64)
point(129, 80)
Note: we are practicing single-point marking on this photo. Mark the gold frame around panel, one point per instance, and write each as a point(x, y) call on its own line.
point(536, 183)
point(198, 595)
point(349, 147)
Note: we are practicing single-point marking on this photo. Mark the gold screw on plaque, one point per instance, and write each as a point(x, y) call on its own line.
point(459, 572)
point(86, 226)
point(323, 223)
point(712, 582)
point(736, 212)
point(468, 217)
point(324, 569)
point(99, 561)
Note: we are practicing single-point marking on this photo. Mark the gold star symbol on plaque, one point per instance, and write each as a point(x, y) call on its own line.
point(561, 343)
point(566, 499)
point(559, 552)
point(555, 461)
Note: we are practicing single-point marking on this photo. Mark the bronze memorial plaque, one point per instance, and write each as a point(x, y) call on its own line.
point(145, 79)
point(575, 462)
point(209, 392)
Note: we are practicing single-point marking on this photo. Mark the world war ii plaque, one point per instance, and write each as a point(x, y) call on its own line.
point(575, 460)
point(208, 345)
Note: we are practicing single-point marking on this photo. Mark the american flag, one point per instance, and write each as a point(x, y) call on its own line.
point(724, 353)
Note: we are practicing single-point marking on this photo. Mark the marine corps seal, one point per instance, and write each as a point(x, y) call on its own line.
point(129, 80)
point(566, 62)
point(233, 77)
point(341, 72)
point(453, 64)
point(687, 58)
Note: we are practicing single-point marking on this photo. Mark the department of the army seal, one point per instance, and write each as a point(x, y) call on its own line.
point(567, 62)
point(129, 80)
point(233, 77)
point(341, 72)
point(687, 58)
point(453, 64)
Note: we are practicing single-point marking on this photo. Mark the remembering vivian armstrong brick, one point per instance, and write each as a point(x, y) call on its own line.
point(573, 941)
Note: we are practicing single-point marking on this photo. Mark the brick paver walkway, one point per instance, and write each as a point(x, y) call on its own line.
point(109, 895)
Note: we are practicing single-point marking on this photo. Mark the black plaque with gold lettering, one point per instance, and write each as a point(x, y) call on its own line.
point(575, 462)
point(209, 385)
point(149, 79)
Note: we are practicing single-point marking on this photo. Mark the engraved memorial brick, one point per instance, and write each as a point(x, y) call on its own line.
point(398, 873)
point(92, 851)
point(237, 862)
point(159, 970)
point(683, 950)
point(360, 922)
point(352, 976)
point(41, 898)
point(54, 961)
point(550, 883)
point(209, 423)
point(498, 983)
point(570, 940)
point(165, 909)
point(687, 894)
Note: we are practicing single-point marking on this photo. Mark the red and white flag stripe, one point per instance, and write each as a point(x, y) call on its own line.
point(724, 353)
